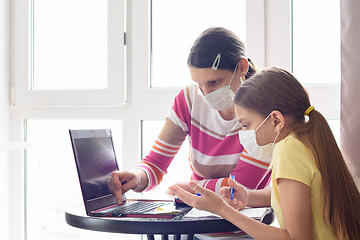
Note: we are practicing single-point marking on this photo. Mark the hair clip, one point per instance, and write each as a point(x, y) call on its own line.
point(216, 62)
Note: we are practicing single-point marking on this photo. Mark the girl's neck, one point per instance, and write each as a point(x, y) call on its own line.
point(289, 124)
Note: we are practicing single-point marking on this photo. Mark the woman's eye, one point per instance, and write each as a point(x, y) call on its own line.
point(244, 127)
point(213, 83)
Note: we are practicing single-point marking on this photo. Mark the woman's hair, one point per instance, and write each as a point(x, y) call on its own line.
point(217, 40)
point(276, 89)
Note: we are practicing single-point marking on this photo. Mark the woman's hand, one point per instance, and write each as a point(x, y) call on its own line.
point(208, 200)
point(121, 182)
point(241, 195)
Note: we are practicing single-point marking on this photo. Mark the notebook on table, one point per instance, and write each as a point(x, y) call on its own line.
point(95, 161)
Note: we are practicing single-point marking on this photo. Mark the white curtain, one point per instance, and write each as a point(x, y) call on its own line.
point(350, 82)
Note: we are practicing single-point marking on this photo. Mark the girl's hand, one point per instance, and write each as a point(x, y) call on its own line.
point(241, 196)
point(184, 185)
point(208, 200)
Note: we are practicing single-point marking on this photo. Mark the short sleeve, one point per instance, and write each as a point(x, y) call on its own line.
point(293, 160)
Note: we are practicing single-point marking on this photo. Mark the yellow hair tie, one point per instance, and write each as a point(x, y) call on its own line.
point(307, 112)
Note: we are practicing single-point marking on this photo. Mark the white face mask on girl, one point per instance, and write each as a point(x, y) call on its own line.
point(222, 98)
point(248, 140)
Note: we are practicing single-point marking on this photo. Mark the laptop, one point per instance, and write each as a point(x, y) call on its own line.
point(95, 161)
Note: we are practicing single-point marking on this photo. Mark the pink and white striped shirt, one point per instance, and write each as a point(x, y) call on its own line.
point(215, 149)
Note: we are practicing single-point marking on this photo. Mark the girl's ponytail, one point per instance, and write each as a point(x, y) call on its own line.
point(341, 196)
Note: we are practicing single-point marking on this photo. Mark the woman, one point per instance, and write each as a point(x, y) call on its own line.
point(205, 113)
point(313, 193)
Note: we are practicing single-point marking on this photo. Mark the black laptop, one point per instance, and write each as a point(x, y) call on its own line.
point(95, 161)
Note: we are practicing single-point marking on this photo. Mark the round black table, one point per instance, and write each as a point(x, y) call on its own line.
point(76, 217)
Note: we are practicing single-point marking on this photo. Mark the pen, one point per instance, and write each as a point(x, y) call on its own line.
point(231, 189)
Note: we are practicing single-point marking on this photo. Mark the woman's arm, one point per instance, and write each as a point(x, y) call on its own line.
point(150, 171)
point(162, 153)
point(296, 207)
point(249, 172)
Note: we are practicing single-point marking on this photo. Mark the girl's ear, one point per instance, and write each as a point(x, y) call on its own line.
point(278, 120)
point(243, 65)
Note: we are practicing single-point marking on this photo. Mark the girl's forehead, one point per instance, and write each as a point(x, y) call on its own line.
point(243, 113)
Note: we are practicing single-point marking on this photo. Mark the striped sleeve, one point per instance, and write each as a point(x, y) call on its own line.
point(180, 111)
point(250, 172)
point(214, 184)
point(168, 143)
point(157, 161)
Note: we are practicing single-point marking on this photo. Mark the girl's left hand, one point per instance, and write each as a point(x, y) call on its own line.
point(208, 200)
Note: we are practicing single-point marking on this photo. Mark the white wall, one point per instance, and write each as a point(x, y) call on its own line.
point(4, 116)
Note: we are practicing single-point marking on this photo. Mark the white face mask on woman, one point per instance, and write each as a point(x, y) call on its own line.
point(248, 140)
point(221, 98)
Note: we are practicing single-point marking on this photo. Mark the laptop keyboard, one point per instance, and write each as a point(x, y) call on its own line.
point(136, 207)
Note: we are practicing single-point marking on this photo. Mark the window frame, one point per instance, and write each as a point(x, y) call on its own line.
point(139, 43)
point(278, 31)
point(21, 71)
point(268, 33)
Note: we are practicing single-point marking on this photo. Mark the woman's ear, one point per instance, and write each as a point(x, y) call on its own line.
point(243, 65)
point(278, 120)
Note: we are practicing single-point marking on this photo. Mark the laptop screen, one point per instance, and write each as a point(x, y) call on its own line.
point(95, 160)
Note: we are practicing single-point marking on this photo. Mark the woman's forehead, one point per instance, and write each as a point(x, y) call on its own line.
point(207, 74)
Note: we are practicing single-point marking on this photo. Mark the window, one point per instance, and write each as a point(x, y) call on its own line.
point(71, 74)
point(69, 52)
point(316, 41)
point(157, 57)
point(64, 56)
point(52, 183)
point(316, 55)
point(172, 34)
point(74, 95)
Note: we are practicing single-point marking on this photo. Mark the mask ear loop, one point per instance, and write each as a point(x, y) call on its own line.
point(216, 62)
point(263, 122)
point(232, 77)
point(277, 134)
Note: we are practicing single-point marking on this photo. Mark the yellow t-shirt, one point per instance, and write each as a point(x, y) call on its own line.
point(293, 160)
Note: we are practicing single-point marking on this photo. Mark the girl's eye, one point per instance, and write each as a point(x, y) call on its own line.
point(244, 127)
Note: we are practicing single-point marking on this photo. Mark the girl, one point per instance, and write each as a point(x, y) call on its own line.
point(313, 193)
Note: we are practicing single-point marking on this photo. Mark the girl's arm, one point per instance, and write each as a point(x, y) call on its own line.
point(243, 197)
point(259, 198)
point(296, 208)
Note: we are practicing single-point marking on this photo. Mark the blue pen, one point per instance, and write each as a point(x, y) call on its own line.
point(231, 189)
